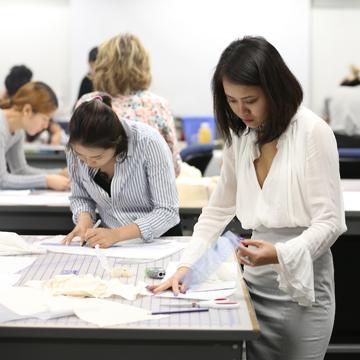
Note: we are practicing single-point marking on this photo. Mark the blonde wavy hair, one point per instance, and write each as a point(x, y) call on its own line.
point(122, 66)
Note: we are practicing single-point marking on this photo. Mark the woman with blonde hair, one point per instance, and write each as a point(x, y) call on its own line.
point(122, 69)
point(29, 110)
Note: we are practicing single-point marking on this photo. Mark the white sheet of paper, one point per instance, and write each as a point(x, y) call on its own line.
point(13, 264)
point(29, 301)
point(220, 285)
point(8, 280)
point(14, 193)
point(110, 313)
point(133, 249)
point(38, 199)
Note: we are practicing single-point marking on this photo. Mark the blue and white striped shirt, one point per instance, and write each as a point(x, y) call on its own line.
point(143, 188)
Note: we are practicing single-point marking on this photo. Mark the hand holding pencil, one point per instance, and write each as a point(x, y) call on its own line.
point(84, 223)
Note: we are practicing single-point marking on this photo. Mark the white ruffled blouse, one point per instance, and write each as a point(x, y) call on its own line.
point(302, 189)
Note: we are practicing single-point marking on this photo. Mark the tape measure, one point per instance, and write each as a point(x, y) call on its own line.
point(155, 272)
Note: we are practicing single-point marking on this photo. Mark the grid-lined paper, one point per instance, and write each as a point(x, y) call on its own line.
point(51, 264)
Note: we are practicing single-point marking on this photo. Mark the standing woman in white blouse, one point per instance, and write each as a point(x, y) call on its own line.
point(280, 177)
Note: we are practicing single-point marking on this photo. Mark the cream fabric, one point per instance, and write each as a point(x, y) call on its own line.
point(87, 286)
point(302, 189)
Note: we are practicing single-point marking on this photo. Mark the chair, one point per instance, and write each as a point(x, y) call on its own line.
point(198, 155)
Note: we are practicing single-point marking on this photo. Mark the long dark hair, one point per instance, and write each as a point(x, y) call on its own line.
point(95, 124)
point(254, 61)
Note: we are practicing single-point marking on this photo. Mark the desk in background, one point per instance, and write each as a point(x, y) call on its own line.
point(45, 156)
point(42, 212)
point(214, 335)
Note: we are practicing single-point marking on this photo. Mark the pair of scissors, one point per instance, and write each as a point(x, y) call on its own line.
point(220, 303)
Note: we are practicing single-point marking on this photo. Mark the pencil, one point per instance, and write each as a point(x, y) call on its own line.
point(190, 310)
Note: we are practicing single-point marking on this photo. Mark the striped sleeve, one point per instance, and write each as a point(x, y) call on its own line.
point(80, 200)
point(162, 186)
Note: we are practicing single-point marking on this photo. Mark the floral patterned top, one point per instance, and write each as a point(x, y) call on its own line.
point(148, 108)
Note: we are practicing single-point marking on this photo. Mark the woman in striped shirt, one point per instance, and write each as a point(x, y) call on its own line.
point(122, 169)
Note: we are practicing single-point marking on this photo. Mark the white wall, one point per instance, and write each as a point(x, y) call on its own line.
point(335, 45)
point(35, 33)
point(184, 38)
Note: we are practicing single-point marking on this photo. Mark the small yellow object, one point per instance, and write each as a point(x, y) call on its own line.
point(204, 134)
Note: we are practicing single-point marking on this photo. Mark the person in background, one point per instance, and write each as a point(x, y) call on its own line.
point(353, 79)
point(276, 158)
point(122, 69)
point(17, 77)
point(29, 110)
point(86, 85)
point(122, 169)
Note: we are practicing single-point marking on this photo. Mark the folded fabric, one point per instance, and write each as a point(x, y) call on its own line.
point(13, 244)
point(87, 286)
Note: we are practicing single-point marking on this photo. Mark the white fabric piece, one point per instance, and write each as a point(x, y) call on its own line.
point(87, 286)
point(29, 302)
point(13, 244)
point(294, 194)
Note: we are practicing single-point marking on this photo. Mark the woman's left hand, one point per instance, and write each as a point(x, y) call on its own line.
point(259, 253)
point(102, 237)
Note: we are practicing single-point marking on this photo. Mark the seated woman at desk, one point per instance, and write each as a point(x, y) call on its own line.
point(122, 169)
point(18, 76)
point(280, 177)
point(29, 110)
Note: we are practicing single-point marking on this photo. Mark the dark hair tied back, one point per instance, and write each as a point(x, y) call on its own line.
point(95, 124)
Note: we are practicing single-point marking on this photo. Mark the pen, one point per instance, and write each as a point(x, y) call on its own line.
point(94, 227)
point(102, 258)
point(190, 310)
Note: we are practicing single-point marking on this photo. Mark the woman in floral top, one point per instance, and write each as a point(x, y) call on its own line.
point(122, 69)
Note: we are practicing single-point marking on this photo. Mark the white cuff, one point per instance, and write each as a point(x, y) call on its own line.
point(295, 273)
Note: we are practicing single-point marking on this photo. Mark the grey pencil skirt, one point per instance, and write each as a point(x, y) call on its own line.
point(289, 331)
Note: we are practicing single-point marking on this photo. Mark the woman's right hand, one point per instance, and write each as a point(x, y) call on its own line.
point(57, 182)
point(174, 282)
point(84, 223)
